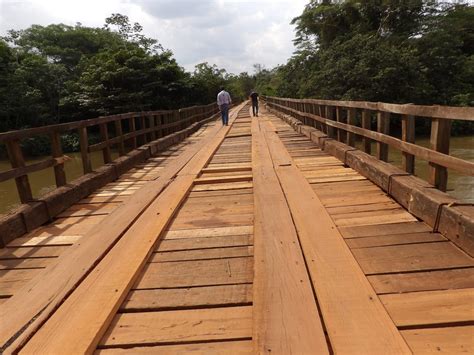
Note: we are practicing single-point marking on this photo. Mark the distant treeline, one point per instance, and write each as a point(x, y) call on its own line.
point(62, 73)
point(415, 51)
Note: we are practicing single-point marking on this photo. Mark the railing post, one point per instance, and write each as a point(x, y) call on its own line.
point(84, 143)
point(351, 120)
point(152, 124)
point(57, 152)
point(340, 132)
point(366, 123)
point(119, 133)
point(408, 135)
point(17, 161)
point(439, 141)
point(330, 116)
point(104, 135)
point(143, 135)
point(383, 126)
point(132, 129)
point(322, 113)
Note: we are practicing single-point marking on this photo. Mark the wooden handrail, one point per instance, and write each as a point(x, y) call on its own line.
point(142, 128)
point(340, 123)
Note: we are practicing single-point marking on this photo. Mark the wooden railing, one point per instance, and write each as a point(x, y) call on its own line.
point(344, 120)
point(141, 128)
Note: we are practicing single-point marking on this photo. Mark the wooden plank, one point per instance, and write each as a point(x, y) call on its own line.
point(408, 135)
point(174, 298)
point(196, 273)
point(209, 232)
point(223, 186)
point(31, 252)
point(411, 257)
point(17, 264)
point(283, 298)
point(180, 326)
point(355, 319)
point(423, 281)
point(223, 179)
point(214, 348)
point(42, 295)
point(91, 307)
point(381, 217)
point(201, 243)
point(430, 307)
point(57, 152)
point(47, 240)
point(387, 229)
point(439, 141)
point(394, 239)
point(450, 340)
point(201, 254)
point(17, 161)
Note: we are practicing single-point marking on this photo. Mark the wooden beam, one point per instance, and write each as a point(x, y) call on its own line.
point(17, 161)
point(84, 143)
point(57, 152)
point(439, 141)
point(284, 303)
point(366, 124)
point(383, 126)
point(351, 119)
point(355, 319)
point(408, 135)
point(93, 303)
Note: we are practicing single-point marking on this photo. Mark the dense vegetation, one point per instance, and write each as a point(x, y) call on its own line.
point(410, 51)
point(60, 73)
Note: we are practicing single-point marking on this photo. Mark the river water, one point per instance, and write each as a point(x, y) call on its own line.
point(459, 186)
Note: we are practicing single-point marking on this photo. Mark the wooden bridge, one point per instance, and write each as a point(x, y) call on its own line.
point(270, 235)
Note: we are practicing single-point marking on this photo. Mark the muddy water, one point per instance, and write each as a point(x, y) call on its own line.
point(459, 186)
point(43, 181)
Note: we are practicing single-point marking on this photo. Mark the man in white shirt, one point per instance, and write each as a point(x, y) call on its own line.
point(224, 101)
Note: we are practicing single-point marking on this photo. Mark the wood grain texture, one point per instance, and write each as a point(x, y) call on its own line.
point(333, 268)
point(286, 318)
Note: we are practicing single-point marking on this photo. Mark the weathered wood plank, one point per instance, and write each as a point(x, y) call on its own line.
point(423, 281)
point(196, 273)
point(450, 340)
point(430, 307)
point(411, 257)
point(283, 298)
point(180, 326)
point(355, 319)
point(161, 299)
point(214, 348)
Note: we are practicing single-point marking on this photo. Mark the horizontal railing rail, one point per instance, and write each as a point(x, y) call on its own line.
point(139, 129)
point(340, 119)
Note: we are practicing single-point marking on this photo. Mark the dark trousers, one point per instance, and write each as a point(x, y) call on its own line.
point(225, 114)
point(255, 108)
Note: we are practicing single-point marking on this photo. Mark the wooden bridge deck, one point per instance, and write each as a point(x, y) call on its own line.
point(241, 239)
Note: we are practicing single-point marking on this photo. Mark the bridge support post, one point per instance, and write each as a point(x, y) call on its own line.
point(351, 120)
point(331, 132)
point(440, 133)
point(408, 135)
point(383, 126)
point(17, 161)
point(57, 152)
point(366, 123)
point(84, 143)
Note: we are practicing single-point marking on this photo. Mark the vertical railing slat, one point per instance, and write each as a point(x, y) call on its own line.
point(18, 161)
point(84, 143)
point(408, 135)
point(366, 123)
point(439, 141)
point(57, 152)
point(383, 126)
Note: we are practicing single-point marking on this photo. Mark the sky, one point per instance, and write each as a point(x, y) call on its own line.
point(233, 34)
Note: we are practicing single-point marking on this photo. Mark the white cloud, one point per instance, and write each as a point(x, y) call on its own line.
point(234, 34)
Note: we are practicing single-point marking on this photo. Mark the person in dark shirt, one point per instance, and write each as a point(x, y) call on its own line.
point(254, 98)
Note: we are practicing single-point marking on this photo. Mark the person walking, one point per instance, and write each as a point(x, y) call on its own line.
point(224, 101)
point(254, 98)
